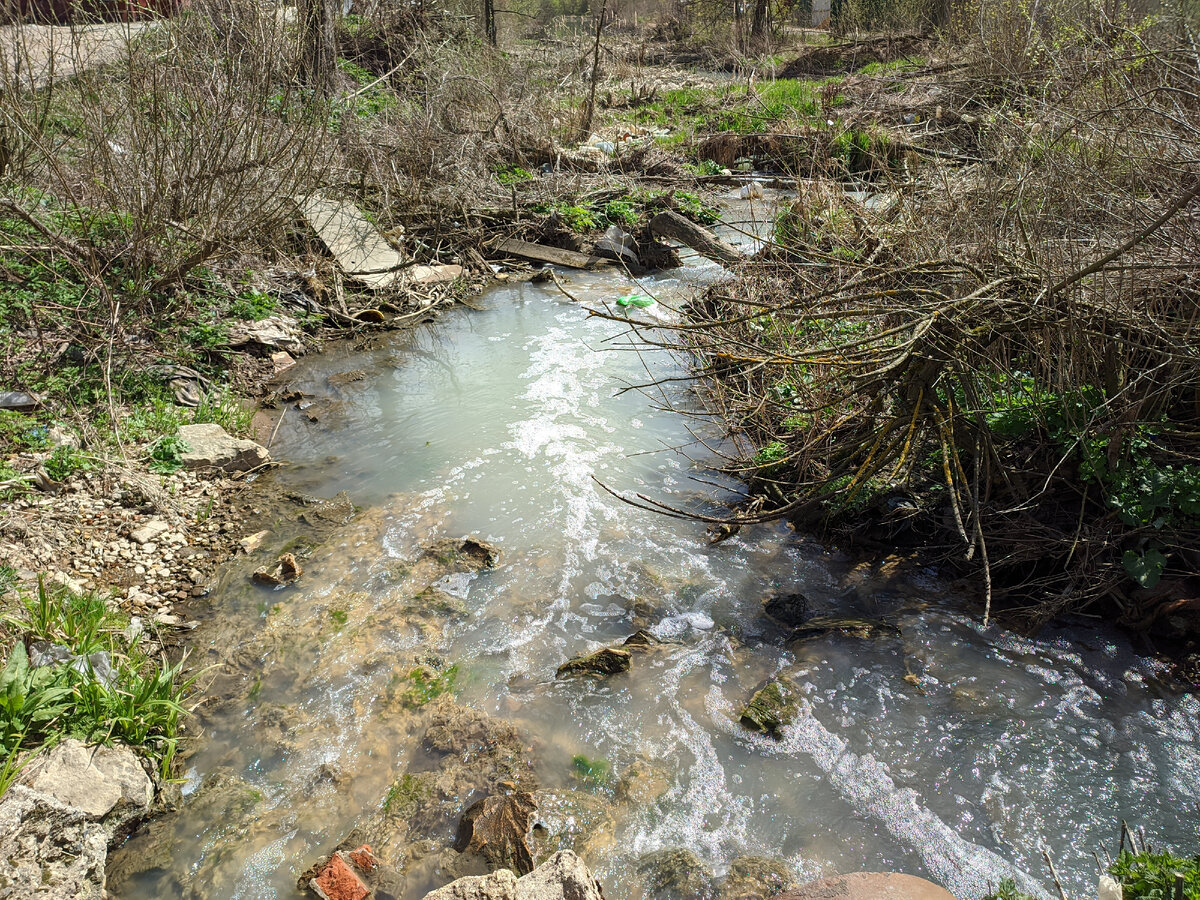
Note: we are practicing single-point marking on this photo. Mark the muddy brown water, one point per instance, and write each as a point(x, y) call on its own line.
point(501, 423)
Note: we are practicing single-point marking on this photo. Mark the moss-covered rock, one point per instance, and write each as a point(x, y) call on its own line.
point(773, 706)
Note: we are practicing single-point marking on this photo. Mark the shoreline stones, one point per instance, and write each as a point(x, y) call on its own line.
point(212, 447)
point(67, 808)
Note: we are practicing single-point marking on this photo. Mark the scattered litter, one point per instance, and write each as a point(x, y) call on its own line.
point(20, 401)
point(619, 245)
point(641, 301)
point(751, 191)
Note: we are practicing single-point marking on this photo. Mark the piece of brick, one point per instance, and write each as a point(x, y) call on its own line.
point(338, 881)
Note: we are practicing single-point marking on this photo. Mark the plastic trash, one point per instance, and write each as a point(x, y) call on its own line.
point(620, 245)
point(1109, 888)
point(751, 191)
point(641, 301)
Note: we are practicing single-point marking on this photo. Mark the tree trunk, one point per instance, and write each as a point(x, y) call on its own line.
point(672, 225)
point(318, 48)
point(585, 128)
point(489, 21)
point(758, 23)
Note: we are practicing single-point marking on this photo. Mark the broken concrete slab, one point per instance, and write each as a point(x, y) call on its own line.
point(18, 401)
point(212, 447)
point(360, 249)
point(434, 274)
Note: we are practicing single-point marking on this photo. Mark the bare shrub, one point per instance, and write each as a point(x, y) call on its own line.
point(1005, 359)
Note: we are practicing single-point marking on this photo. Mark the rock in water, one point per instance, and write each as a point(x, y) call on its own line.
point(608, 661)
point(865, 629)
point(868, 886)
point(675, 875)
point(788, 609)
point(562, 877)
point(773, 706)
point(500, 885)
point(286, 571)
point(212, 447)
point(497, 828)
point(755, 878)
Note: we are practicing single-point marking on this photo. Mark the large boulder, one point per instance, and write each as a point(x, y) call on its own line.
point(49, 850)
point(57, 822)
point(104, 783)
point(562, 877)
point(212, 447)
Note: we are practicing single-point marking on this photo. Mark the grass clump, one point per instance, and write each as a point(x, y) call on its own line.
point(89, 676)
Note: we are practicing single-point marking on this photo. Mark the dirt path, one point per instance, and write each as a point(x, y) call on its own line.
point(37, 55)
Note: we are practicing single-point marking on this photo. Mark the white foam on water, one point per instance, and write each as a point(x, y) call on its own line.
point(707, 815)
point(966, 869)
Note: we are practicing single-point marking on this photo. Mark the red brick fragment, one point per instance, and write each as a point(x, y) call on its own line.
point(338, 881)
point(364, 860)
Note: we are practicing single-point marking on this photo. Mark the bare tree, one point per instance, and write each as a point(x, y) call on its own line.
point(318, 47)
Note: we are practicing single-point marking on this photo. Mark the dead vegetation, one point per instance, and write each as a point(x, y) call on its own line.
point(993, 350)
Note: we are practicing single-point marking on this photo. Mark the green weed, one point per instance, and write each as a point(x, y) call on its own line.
point(1152, 876)
point(425, 684)
point(108, 688)
point(593, 771)
point(166, 454)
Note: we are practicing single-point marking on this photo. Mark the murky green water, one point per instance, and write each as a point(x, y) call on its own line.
point(499, 423)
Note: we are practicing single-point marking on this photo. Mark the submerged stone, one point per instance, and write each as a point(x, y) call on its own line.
point(788, 609)
point(608, 661)
point(869, 886)
point(773, 706)
point(497, 829)
point(866, 629)
point(755, 878)
point(675, 874)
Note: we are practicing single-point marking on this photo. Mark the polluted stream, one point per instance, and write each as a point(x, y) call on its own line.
point(942, 748)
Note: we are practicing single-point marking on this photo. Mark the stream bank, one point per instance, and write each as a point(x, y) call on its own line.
point(352, 706)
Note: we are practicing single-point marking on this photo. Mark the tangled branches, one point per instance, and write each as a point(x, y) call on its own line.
point(1000, 359)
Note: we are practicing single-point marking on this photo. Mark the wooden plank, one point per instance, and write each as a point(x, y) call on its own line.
point(355, 243)
point(542, 253)
point(672, 225)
